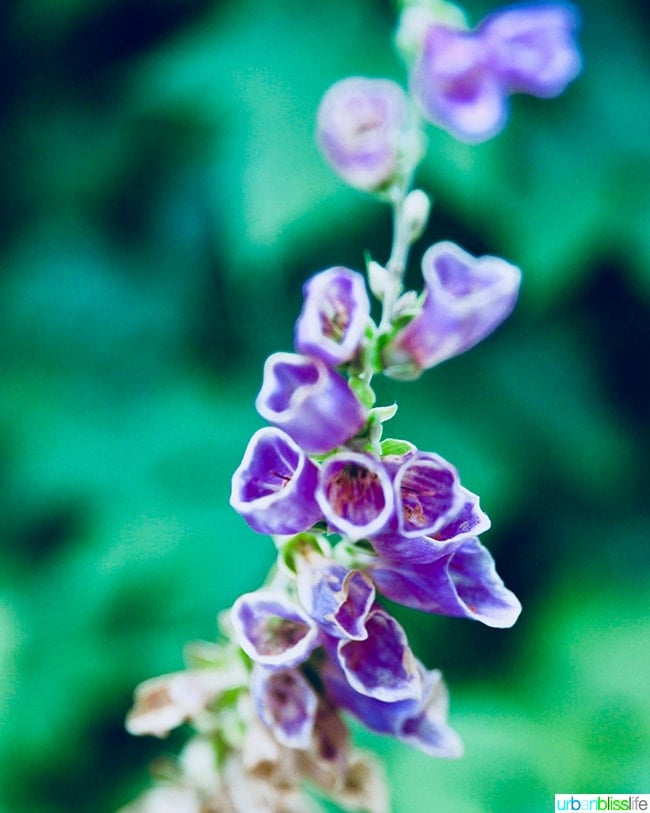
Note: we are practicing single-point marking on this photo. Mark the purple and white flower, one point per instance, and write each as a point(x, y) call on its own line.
point(382, 665)
point(465, 299)
point(366, 132)
point(355, 494)
point(532, 48)
point(334, 316)
point(311, 402)
point(463, 78)
point(273, 487)
point(273, 630)
point(419, 722)
point(286, 703)
point(337, 598)
point(463, 582)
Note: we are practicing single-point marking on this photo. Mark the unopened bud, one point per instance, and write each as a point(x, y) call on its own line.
point(416, 213)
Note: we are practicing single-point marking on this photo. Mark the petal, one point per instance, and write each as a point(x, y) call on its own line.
point(454, 87)
point(335, 313)
point(364, 127)
point(463, 583)
point(273, 487)
point(310, 401)
point(355, 494)
point(532, 48)
point(272, 630)
point(428, 492)
point(466, 299)
point(286, 703)
point(470, 520)
point(338, 599)
point(382, 666)
point(421, 723)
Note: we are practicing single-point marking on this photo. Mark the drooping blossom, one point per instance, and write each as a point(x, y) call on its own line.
point(465, 299)
point(310, 401)
point(462, 582)
point(273, 487)
point(366, 132)
point(334, 316)
point(463, 78)
point(421, 723)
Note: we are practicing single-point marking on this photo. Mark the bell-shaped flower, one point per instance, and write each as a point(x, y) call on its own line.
point(381, 666)
point(455, 88)
point(338, 599)
point(334, 316)
point(428, 493)
point(463, 78)
point(367, 133)
point(355, 494)
point(272, 630)
point(532, 48)
point(420, 722)
point(463, 582)
point(468, 520)
point(286, 702)
point(273, 487)
point(465, 299)
point(311, 402)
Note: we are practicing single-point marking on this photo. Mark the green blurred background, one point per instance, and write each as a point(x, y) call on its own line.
point(163, 201)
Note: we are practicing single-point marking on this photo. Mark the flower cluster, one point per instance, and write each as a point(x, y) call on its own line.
point(356, 517)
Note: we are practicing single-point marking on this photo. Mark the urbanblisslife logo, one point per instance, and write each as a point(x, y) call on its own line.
point(602, 801)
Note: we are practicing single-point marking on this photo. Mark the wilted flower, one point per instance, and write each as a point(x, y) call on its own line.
point(366, 131)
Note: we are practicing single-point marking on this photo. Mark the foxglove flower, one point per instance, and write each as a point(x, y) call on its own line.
point(381, 666)
point(532, 48)
point(465, 299)
point(463, 78)
point(338, 599)
point(463, 582)
point(334, 316)
point(273, 487)
point(286, 703)
point(355, 494)
point(420, 722)
point(366, 132)
point(311, 402)
point(456, 89)
point(469, 520)
point(272, 630)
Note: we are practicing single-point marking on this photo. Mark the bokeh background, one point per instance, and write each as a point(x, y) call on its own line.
point(162, 203)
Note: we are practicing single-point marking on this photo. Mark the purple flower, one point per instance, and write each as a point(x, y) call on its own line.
point(286, 703)
point(455, 87)
point(463, 78)
point(334, 316)
point(466, 298)
point(273, 487)
point(272, 630)
point(355, 494)
point(310, 401)
point(381, 666)
point(468, 520)
point(532, 48)
point(365, 130)
point(463, 582)
point(419, 722)
point(428, 494)
point(338, 599)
